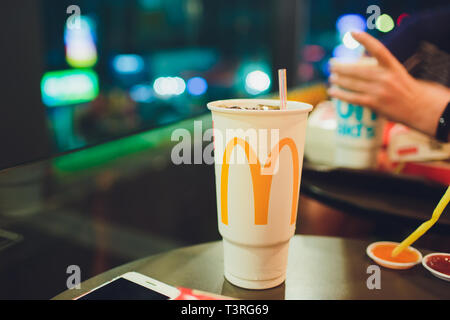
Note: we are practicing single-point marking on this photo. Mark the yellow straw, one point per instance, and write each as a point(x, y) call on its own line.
point(399, 168)
point(424, 226)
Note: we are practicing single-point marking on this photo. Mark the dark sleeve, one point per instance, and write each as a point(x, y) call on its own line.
point(430, 26)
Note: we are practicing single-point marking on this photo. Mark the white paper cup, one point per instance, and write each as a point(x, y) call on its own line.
point(359, 129)
point(257, 207)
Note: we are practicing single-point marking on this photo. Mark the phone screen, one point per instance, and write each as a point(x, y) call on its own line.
point(123, 289)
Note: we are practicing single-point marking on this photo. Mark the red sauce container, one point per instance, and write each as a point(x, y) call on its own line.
point(438, 264)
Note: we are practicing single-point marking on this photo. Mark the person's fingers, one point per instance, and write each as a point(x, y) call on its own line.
point(364, 72)
point(375, 48)
point(356, 98)
point(350, 83)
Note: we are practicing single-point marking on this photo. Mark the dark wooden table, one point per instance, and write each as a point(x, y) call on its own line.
point(376, 194)
point(318, 268)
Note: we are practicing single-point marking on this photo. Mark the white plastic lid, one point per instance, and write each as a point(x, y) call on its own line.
point(255, 267)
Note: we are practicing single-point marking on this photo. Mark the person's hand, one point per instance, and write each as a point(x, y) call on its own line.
point(389, 89)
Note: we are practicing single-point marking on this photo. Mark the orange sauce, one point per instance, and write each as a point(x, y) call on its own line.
point(384, 251)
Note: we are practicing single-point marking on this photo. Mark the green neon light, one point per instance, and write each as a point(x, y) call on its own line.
point(106, 153)
point(384, 23)
point(76, 60)
point(68, 87)
point(81, 51)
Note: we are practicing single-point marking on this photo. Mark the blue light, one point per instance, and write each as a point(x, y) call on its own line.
point(341, 51)
point(141, 93)
point(197, 86)
point(150, 4)
point(86, 31)
point(81, 51)
point(128, 63)
point(325, 67)
point(350, 22)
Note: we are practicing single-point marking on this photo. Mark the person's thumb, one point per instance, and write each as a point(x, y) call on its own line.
point(375, 48)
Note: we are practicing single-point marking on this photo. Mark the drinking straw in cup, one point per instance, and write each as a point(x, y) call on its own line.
point(282, 88)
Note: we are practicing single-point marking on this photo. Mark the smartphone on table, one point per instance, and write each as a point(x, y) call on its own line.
point(132, 286)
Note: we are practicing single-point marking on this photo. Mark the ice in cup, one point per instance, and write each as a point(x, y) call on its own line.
point(258, 163)
point(359, 129)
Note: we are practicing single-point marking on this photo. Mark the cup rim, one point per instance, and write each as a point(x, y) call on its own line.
point(294, 107)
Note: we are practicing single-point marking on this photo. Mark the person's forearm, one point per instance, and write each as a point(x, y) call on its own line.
point(389, 89)
point(429, 105)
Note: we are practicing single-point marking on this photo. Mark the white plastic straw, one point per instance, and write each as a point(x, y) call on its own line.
point(282, 88)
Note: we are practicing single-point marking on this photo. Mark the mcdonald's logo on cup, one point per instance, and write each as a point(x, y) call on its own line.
point(261, 183)
point(257, 198)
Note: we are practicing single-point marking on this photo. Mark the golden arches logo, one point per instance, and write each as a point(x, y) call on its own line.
point(261, 183)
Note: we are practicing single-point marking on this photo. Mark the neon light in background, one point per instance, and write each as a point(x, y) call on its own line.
point(68, 87)
point(257, 82)
point(81, 51)
point(384, 23)
point(349, 42)
point(86, 31)
point(128, 63)
point(169, 86)
point(197, 86)
point(313, 53)
point(141, 93)
point(350, 22)
point(81, 54)
point(349, 48)
point(252, 76)
point(305, 71)
point(111, 152)
point(341, 51)
point(401, 17)
point(180, 87)
point(151, 4)
point(325, 68)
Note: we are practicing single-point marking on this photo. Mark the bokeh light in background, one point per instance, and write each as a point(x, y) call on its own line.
point(349, 42)
point(313, 53)
point(252, 77)
point(141, 93)
point(68, 87)
point(325, 68)
point(384, 23)
point(81, 51)
point(401, 17)
point(150, 4)
point(169, 86)
point(349, 48)
point(197, 86)
point(143, 50)
point(128, 63)
point(305, 71)
point(180, 87)
point(341, 51)
point(350, 22)
point(257, 82)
